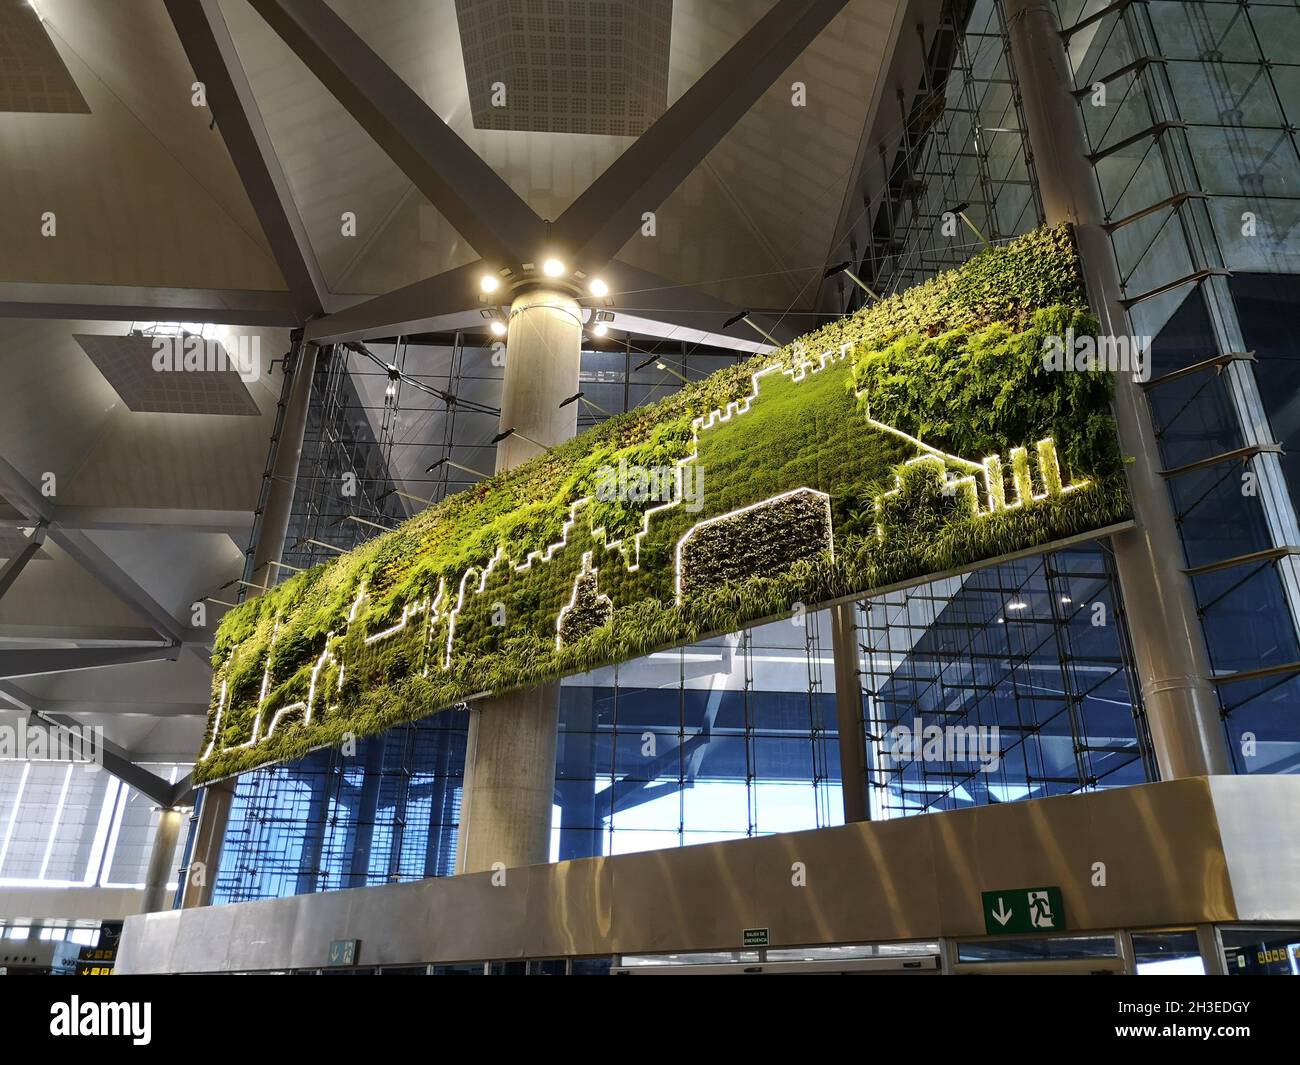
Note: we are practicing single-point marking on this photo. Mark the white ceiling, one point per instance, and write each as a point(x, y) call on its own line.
point(145, 194)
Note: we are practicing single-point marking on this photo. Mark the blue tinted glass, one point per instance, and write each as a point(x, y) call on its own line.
point(390, 812)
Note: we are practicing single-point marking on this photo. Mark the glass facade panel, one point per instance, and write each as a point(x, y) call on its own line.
point(1024, 663)
point(731, 738)
point(387, 813)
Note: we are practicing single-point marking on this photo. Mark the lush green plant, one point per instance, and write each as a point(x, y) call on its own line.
point(888, 412)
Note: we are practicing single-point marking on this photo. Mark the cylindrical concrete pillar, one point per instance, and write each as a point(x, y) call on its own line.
point(205, 851)
point(505, 813)
point(160, 861)
point(1168, 644)
point(543, 354)
point(273, 527)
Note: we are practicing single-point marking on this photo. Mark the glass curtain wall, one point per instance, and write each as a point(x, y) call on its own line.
point(1191, 109)
point(385, 812)
point(1029, 658)
point(721, 740)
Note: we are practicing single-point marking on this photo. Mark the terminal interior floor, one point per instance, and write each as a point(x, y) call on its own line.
point(649, 487)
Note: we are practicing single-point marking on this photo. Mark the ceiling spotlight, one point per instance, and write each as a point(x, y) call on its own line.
point(553, 268)
point(498, 327)
point(598, 287)
point(843, 268)
point(489, 283)
point(599, 329)
point(743, 316)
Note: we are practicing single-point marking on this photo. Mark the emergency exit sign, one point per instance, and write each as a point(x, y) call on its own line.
point(1023, 910)
point(343, 952)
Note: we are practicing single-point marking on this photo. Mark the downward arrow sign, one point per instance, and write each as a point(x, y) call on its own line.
point(1002, 915)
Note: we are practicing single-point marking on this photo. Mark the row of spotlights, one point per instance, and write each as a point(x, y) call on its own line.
point(551, 268)
point(498, 328)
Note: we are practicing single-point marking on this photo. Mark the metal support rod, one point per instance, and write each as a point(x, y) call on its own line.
point(1169, 646)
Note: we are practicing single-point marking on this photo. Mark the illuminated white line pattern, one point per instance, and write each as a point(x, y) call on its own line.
point(216, 727)
point(325, 657)
point(587, 568)
point(994, 486)
point(408, 612)
point(989, 471)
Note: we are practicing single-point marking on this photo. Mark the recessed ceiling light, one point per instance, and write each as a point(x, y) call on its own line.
point(489, 283)
point(553, 268)
point(598, 287)
point(498, 327)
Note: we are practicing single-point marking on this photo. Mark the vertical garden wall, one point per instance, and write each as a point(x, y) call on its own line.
point(923, 434)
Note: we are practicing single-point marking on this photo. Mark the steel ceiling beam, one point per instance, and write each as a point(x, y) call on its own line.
point(153, 519)
point(95, 561)
point(642, 303)
point(92, 558)
point(118, 761)
point(638, 295)
point(445, 302)
point(206, 40)
point(115, 759)
point(126, 303)
point(15, 565)
point(471, 196)
point(600, 221)
point(153, 711)
point(38, 661)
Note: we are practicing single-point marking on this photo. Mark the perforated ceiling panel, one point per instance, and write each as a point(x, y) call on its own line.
point(32, 75)
point(128, 364)
point(566, 66)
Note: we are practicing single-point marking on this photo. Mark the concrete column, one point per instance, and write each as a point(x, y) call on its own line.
point(505, 813)
point(272, 528)
point(848, 713)
point(1168, 644)
point(161, 858)
point(209, 834)
point(543, 354)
